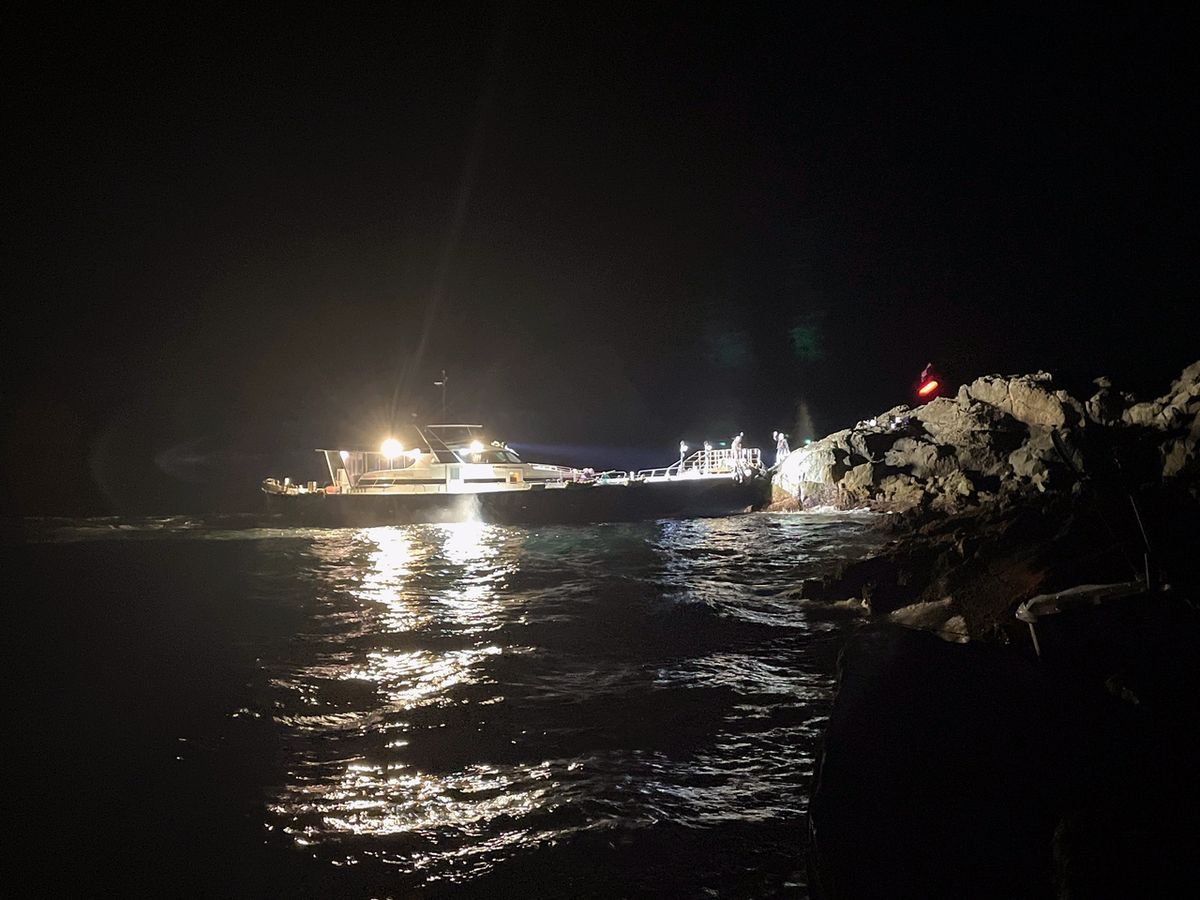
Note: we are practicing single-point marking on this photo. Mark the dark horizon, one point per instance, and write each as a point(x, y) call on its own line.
point(230, 244)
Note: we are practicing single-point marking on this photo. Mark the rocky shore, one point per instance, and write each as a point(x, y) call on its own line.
point(994, 443)
point(963, 758)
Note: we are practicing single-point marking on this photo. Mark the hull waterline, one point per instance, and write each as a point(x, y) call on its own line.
point(573, 503)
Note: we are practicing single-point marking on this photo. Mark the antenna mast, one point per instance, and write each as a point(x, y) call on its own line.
point(442, 384)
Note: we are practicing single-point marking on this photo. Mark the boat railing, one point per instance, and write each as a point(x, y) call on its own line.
point(715, 462)
point(664, 472)
point(566, 473)
point(702, 463)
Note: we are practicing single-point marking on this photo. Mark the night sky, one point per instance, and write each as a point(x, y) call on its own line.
point(232, 240)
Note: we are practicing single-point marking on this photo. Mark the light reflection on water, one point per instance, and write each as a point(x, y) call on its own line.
point(466, 692)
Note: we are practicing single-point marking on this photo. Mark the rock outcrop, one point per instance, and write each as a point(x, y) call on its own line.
point(995, 439)
point(1011, 489)
point(962, 758)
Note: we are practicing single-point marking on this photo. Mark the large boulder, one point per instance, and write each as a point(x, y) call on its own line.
point(901, 492)
point(938, 617)
point(1175, 409)
point(978, 434)
point(919, 457)
point(1106, 406)
point(1148, 414)
point(908, 452)
point(1037, 461)
point(860, 483)
point(1030, 399)
point(951, 492)
point(1181, 455)
point(1029, 465)
point(820, 464)
point(1185, 391)
point(870, 444)
point(987, 456)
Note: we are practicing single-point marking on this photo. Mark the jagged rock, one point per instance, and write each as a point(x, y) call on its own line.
point(1027, 464)
point(1173, 409)
point(870, 444)
point(1097, 809)
point(1036, 459)
point(951, 492)
point(944, 417)
point(1106, 406)
point(992, 440)
point(936, 616)
point(921, 458)
point(955, 484)
point(820, 463)
point(986, 457)
point(1179, 458)
point(1145, 415)
point(1186, 388)
point(980, 435)
point(1181, 455)
point(860, 481)
point(901, 492)
point(1027, 398)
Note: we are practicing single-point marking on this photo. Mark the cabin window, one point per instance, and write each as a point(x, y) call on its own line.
point(492, 457)
point(376, 482)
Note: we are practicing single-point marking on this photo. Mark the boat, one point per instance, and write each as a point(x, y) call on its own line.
point(451, 473)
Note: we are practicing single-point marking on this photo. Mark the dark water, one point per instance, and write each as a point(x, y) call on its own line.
point(614, 710)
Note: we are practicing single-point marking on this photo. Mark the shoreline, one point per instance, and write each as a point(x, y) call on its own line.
point(962, 757)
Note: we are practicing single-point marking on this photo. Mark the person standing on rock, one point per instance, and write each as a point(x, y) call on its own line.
point(929, 384)
point(781, 447)
point(736, 446)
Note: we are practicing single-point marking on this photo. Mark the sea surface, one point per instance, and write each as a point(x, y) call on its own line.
point(214, 708)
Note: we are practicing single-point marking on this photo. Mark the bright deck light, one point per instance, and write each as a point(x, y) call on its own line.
point(476, 446)
point(391, 448)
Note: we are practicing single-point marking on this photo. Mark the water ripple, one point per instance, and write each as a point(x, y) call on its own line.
point(502, 689)
point(494, 706)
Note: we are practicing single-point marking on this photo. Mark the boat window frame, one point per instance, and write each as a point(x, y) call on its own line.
point(480, 458)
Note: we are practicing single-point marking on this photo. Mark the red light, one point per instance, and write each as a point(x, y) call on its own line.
point(928, 387)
